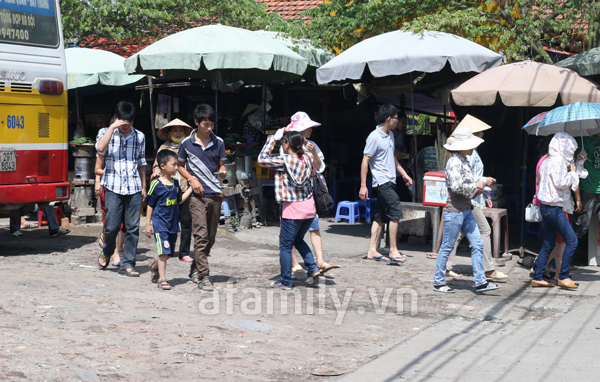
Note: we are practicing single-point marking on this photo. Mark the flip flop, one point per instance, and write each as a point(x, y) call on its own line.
point(103, 258)
point(431, 255)
point(378, 258)
point(326, 267)
point(402, 260)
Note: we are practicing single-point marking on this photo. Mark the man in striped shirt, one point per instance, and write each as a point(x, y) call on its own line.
point(201, 158)
point(124, 183)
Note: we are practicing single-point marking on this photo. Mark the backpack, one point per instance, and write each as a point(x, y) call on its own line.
point(323, 201)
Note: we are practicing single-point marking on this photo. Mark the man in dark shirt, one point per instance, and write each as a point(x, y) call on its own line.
point(201, 158)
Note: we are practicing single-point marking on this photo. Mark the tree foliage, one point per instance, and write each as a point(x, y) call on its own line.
point(143, 19)
point(518, 28)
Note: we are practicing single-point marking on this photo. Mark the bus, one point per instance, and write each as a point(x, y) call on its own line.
point(33, 106)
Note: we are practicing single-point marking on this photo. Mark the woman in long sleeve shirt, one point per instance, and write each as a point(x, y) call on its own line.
point(458, 215)
point(557, 177)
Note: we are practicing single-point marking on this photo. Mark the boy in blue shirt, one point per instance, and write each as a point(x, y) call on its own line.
point(163, 199)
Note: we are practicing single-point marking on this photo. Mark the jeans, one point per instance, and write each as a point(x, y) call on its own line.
point(485, 232)
point(554, 221)
point(124, 208)
point(53, 226)
point(185, 221)
point(292, 235)
point(454, 222)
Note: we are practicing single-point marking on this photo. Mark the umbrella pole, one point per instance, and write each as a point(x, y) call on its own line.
point(414, 127)
point(216, 112)
point(264, 106)
point(152, 117)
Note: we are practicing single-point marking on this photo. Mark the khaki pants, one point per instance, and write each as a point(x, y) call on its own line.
point(205, 220)
point(485, 231)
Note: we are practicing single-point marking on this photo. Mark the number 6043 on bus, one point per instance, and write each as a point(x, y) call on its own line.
point(15, 121)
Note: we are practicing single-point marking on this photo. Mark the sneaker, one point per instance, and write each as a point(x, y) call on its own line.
point(310, 279)
point(487, 287)
point(17, 234)
point(186, 258)
point(280, 285)
point(443, 289)
point(60, 232)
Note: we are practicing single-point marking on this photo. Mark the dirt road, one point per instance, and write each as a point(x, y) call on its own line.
point(63, 319)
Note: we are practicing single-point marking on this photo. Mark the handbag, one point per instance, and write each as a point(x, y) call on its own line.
point(532, 213)
point(321, 196)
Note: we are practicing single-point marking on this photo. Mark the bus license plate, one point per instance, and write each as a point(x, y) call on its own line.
point(8, 160)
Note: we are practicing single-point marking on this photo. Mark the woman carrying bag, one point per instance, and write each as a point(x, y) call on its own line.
point(557, 177)
point(293, 189)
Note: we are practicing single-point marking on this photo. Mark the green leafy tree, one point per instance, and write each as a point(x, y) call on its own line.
point(120, 20)
point(518, 28)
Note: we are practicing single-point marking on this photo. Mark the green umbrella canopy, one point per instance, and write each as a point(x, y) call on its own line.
point(316, 56)
point(87, 67)
point(586, 63)
point(237, 54)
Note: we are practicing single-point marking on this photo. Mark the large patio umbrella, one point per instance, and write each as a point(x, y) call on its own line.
point(525, 84)
point(391, 63)
point(92, 71)
point(528, 84)
point(88, 67)
point(399, 53)
point(237, 54)
point(587, 64)
point(314, 55)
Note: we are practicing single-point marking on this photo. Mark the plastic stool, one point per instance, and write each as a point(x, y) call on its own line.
point(60, 214)
point(369, 208)
point(226, 208)
point(353, 212)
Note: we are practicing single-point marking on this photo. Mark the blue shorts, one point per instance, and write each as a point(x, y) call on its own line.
point(165, 243)
point(314, 226)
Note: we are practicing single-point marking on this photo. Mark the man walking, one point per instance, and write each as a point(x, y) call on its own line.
point(124, 183)
point(201, 158)
point(379, 157)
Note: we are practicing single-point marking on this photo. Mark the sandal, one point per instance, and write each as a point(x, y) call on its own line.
point(164, 284)
point(101, 239)
point(206, 284)
point(194, 276)
point(431, 255)
point(154, 272)
point(105, 259)
point(129, 272)
point(298, 268)
point(326, 267)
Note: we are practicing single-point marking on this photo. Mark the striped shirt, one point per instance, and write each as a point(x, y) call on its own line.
point(293, 176)
point(124, 155)
point(203, 162)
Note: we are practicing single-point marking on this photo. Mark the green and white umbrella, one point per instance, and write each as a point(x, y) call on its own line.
point(88, 67)
point(202, 52)
point(587, 64)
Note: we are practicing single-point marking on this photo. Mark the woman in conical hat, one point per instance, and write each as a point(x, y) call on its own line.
point(462, 187)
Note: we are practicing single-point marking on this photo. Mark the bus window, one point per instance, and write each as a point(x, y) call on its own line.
point(29, 22)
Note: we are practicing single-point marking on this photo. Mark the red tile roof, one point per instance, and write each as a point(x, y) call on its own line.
point(290, 9)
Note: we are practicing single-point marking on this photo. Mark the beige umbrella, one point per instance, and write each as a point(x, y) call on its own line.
point(526, 83)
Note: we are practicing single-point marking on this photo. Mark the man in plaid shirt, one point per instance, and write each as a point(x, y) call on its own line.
point(124, 183)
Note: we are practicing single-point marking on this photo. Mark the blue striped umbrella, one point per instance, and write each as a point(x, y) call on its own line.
point(580, 119)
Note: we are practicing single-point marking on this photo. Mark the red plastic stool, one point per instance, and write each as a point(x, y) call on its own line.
point(60, 214)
